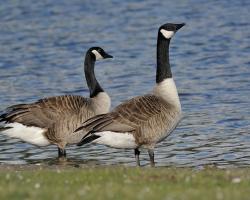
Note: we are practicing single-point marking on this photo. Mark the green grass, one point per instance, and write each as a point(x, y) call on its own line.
point(124, 183)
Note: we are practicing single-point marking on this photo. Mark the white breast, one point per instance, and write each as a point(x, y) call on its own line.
point(101, 103)
point(168, 91)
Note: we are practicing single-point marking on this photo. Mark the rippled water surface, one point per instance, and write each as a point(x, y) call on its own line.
point(42, 44)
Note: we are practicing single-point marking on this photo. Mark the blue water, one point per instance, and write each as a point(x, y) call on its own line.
point(42, 44)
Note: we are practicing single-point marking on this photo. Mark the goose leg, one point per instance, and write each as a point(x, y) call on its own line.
point(137, 153)
point(151, 156)
point(61, 153)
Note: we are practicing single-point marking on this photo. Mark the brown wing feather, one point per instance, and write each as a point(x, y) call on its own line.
point(44, 112)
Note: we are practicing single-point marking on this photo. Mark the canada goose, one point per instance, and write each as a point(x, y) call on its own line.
point(52, 120)
point(145, 120)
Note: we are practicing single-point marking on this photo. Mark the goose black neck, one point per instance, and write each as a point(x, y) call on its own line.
point(89, 63)
point(163, 65)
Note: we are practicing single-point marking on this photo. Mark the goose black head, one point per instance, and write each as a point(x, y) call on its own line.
point(168, 30)
point(99, 53)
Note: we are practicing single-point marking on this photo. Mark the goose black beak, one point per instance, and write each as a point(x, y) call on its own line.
point(178, 26)
point(107, 56)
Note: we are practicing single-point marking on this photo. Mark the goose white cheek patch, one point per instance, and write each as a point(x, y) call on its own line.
point(167, 34)
point(98, 56)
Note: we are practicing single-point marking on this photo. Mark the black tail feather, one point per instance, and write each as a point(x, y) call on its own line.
point(94, 123)
point(16, 107)
point(90, 120)
point(101, 125)
point(89, 139)
point(2, 117)
point(12, 115)
point(4, 128)
point(78, 129)
point(12, 112)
